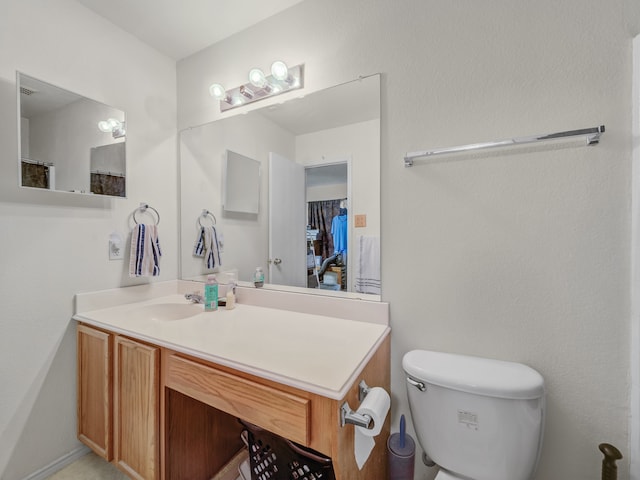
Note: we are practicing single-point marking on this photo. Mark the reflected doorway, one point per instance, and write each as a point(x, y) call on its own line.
point(328, 190)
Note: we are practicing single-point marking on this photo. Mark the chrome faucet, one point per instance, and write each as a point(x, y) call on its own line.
point(194, 297)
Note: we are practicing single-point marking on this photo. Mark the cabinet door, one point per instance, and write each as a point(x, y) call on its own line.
point(95, 390)
point(136, 409)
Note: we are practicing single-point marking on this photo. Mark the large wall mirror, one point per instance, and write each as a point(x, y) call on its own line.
point(68, 142)
point(317, 225)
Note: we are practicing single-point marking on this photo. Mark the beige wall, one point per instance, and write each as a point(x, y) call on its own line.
point(53, 245)
point(519, 256)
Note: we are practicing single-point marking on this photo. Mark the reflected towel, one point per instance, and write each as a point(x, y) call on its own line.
point(208, 246)
point(145, 251)
point(368, 275)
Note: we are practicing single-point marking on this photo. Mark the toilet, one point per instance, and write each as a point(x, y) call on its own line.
point(476, 418)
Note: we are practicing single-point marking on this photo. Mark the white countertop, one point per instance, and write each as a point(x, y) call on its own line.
point(316, 353)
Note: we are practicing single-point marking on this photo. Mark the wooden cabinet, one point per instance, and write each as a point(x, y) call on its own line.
point(95, 390)
point(118, 401)
point(194, 386)
point(159, 414)
point(136, 409)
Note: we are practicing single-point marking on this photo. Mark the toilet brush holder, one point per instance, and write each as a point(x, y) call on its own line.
point(402, 452)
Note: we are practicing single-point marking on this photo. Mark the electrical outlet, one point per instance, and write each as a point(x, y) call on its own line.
point(116, 251)
point(360, 220)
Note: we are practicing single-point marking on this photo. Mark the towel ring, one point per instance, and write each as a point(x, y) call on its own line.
point(143, 208)
point(205, 214)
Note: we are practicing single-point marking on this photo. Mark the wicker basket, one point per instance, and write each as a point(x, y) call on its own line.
point(273, 457)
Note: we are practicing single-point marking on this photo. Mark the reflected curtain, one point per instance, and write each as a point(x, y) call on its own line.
point(320, 215)
point(35, 175)
point(106, 184)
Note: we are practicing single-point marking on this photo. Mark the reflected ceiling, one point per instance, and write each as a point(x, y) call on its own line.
point(336, 107)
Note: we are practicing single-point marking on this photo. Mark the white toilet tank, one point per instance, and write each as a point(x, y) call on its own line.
point(478, 418)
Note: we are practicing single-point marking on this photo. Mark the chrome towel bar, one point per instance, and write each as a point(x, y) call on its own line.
point(592, 137)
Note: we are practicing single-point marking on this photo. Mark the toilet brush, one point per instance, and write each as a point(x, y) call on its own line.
point(402, 450)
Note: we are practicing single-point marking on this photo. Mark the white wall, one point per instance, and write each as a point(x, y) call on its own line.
point(521, 257)
point(634, 429)
point(56, 244)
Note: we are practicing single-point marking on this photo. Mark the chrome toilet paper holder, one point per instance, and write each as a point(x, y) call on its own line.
point(349, 416)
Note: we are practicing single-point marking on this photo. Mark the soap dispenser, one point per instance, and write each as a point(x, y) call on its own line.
point(258, 277)
point(230, 298)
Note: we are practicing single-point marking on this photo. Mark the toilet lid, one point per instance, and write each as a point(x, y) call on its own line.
point(445, 475)
point(475, 375)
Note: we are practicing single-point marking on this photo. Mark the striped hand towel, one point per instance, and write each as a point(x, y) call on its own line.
point(208, 246)
point(368, 275)
point(145, 251)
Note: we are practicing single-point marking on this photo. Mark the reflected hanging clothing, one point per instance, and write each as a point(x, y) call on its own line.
point(339, 231)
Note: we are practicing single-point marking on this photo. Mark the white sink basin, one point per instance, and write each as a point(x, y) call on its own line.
point(166, 311)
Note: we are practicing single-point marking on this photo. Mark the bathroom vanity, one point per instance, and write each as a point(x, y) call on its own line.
point(162, 384)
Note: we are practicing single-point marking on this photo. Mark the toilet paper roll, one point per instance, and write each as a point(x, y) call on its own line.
point(376, 404)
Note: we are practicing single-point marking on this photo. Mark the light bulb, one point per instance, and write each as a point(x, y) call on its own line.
point(104, 126)
point(279, 70)
point(257, 78)
point(113, 123)
point(217, 91)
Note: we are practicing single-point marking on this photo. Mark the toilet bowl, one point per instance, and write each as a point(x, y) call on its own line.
point(476, 418)
point(444, 475)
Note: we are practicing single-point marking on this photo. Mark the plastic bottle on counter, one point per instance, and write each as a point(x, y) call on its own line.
point(258, 277)
point(231, 298)
point(211, 294)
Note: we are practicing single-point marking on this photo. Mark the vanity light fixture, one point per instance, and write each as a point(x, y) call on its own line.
point(113, 126)
point(260, 86)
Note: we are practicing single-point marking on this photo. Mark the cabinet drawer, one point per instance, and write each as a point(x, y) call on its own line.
point(279, 412)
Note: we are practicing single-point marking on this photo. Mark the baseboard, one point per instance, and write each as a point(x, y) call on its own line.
point(59, 464)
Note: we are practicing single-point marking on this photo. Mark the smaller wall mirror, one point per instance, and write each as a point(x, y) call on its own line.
point(68, 142)
point(241, 184)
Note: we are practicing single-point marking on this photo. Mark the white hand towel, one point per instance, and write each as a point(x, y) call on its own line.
point(145, 251)
point(368, 275)
point(208, 246)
